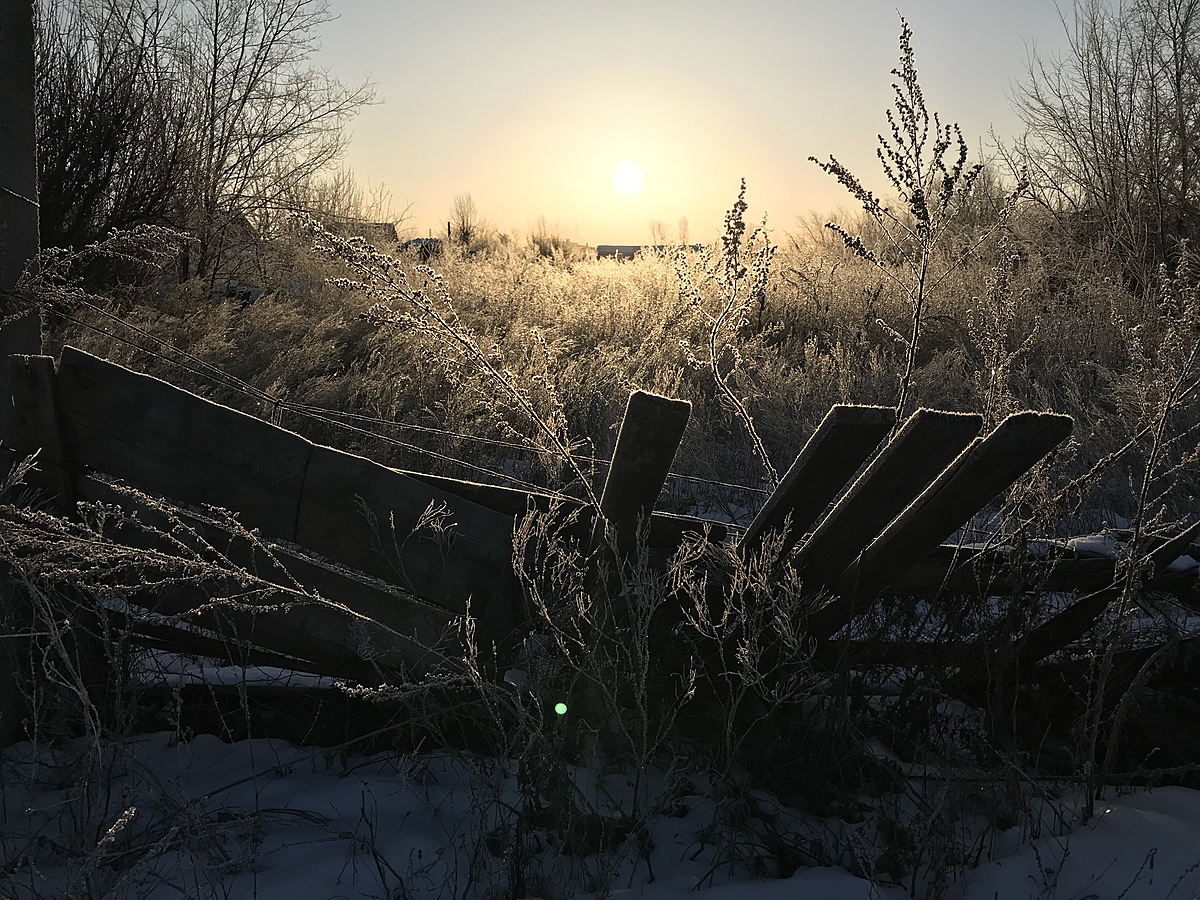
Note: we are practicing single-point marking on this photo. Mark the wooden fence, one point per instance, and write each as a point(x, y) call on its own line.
point(396, 556)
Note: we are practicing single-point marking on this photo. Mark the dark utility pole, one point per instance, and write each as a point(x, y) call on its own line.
point(18, 191)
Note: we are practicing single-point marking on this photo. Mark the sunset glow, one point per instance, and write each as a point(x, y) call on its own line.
point(617, 125)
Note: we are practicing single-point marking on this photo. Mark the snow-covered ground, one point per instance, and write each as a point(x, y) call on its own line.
point(263, 819)
point(155, 817)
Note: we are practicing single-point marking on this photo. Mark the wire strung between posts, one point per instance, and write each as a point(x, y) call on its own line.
point(203, 369)
point(22, 197)
point(493, 442)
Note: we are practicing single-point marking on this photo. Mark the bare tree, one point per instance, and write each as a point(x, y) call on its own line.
point(1114, 126)
point(464, 219)
point(337, 197)
point(658, 232)
point(263, 120)
point(203, 114)
point(109, 122)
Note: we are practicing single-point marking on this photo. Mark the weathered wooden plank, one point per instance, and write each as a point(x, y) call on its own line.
point(355, 621)
point(174, 638)
point(330, 641)
point(985, 469)
point(842, 442)
point(176, 444)
point(666, 530)
point(924, 446)
point(37, 424)
point(650, 434)
point(444, 549)
point(864, 654)
point(971, 572)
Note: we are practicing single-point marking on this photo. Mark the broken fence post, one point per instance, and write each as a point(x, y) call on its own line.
point(650, 434)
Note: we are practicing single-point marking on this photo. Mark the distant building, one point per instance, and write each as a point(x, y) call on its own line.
point(426, 248)
point(629, 251)
point(381, 235)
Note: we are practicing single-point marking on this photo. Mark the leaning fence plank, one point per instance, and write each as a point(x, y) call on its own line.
point(650, 434)
point(176, 444)
point(985, 469)
point(835, 451)
point(355, 620)
point(666, 530)
point(444, 549)
point(37, 424)
point(923, 447)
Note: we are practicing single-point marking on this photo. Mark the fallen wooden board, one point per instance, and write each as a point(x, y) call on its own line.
point(972, 572)
point(342, 622)
point(985, 469)
point(171, 637)
point(843, 441)
point(1073, 622)
point(175, 444)
point(923, 447)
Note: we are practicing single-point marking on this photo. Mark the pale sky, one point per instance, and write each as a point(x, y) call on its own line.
point(529, 106)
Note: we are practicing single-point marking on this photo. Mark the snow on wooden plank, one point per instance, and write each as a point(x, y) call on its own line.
point(985, 469)
point(1073, 622)
point(928, 442)
point(651, 430)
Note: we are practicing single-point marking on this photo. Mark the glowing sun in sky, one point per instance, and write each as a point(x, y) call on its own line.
point(627, 178)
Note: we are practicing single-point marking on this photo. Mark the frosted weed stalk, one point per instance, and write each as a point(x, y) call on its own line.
point(725, 289)
point(925, 163)
point(429, 309)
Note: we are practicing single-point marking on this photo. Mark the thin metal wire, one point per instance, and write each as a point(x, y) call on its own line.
point(28, 200)
point(204, 369)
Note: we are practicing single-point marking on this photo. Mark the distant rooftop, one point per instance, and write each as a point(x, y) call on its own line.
point(629, 251)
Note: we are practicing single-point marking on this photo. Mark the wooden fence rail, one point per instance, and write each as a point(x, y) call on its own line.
point(388, 559)
point(397, 554)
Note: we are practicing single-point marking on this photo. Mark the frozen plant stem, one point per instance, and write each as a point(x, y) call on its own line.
point(380, 277)
point(739, 277)
point(925, 162)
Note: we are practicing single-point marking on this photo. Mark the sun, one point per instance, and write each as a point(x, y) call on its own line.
point(627, 178)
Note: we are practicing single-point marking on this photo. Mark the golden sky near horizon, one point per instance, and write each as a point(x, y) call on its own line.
point(529, 106)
